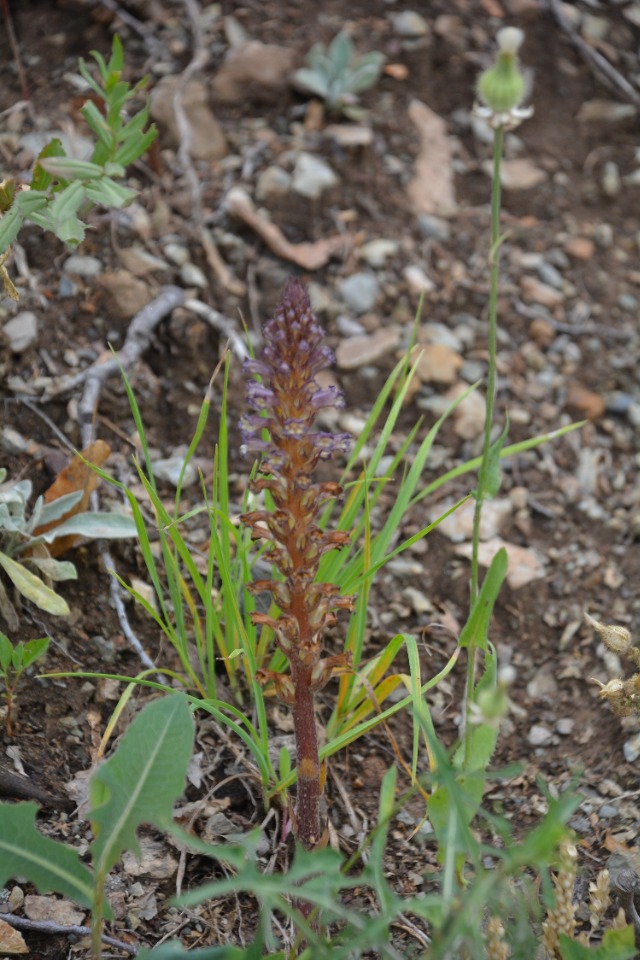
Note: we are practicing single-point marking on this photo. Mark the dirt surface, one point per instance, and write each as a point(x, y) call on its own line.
point(569, 349)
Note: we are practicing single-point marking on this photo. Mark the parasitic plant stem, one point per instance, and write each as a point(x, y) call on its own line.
point(284, 401)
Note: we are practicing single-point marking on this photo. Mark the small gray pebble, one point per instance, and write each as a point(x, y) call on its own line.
point(86, 267)
point(626, 301)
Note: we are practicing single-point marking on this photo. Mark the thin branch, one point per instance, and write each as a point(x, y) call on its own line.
point(137, 341)
point(48, 926)
point(613, 79)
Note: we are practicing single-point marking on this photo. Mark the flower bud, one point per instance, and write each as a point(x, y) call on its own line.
point(503, 87)
point(617, 639)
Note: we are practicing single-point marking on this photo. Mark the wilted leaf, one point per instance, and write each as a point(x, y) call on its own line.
point(33, 588)
point(77, 477)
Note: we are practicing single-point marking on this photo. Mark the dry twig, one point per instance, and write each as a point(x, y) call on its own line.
point(608, 73)
point(48, 926)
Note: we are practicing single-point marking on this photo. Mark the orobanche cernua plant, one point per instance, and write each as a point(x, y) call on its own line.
point(623, 695)
point(285, 400)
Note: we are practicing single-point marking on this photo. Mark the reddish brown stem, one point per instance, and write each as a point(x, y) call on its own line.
point(308, 831)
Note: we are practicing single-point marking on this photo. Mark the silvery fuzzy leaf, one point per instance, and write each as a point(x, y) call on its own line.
point(94, 526)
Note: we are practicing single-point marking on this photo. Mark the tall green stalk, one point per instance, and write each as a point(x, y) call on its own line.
point(483, 475)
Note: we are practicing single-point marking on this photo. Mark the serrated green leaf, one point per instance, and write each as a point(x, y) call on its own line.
point(475, 631)
point(24, 852)
point(67, 202)
point(10, 226)
point(71, 230)
point(33, 588)
point(140, 782)
point(94, 526)
point(30, 201)
point(108, 193)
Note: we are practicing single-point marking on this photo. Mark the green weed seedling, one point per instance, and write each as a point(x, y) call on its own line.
point(137, 785)
point(62, 188)
point(337, 75)
point(14, 660)
point(23, 555)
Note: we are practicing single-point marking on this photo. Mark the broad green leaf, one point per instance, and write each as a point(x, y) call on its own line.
point(94, 526)
point(6, 651)
point(474, 633)
point(341, 52)
point(17, 657)
point(140, 782)
point(33, 649)
point(33, 588)
point(42, 178)
point(616, 945)
point(24, 852)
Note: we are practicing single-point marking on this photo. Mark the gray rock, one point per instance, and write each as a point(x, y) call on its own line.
point(549, 275)
point(193, 276)
point(408, 23)
point(272, 182)
point(171, 468)
point(311, 176)
point(376, 252)
point(435, 228)
point(360, 292)
point(539, 735)
point(348, 327)
point(67, 288)
point(631, 749)
point(80, 266)
point(628, 302)
point(21, 331)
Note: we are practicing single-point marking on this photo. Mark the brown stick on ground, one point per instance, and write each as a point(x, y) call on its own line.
point(21, 788)
point(607, 71)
